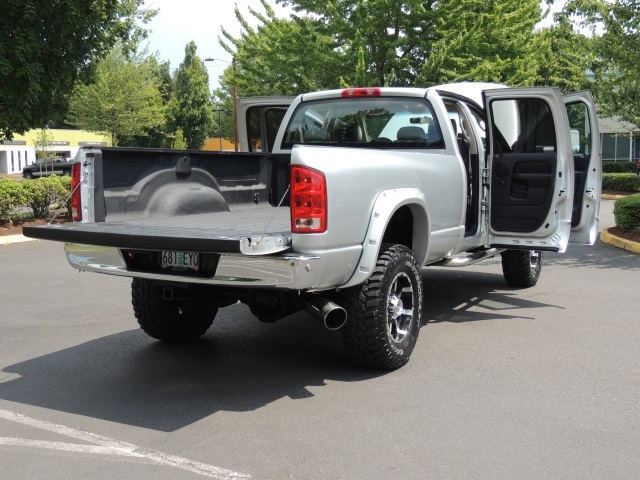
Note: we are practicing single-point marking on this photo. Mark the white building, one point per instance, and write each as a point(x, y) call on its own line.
point(24, 149)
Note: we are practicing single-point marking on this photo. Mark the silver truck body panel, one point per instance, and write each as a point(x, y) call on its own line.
point(352, 203)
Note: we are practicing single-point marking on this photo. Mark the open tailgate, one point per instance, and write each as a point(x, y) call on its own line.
point(258, 231)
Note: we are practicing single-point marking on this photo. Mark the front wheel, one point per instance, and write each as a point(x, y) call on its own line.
point(521, 268)
point(385, 312)
point(173, 314)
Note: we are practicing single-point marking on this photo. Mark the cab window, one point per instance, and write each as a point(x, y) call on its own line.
point(365, 122)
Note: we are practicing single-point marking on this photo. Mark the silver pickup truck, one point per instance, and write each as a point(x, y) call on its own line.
point(337, 210)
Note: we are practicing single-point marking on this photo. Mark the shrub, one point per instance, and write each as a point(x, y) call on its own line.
point(627, 212)
point(11, 197)
point(65, 194)
point(41, 193)
point(619, 167)
point(623, 182)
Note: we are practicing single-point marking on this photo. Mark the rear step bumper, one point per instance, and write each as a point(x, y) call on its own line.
point(286, 271)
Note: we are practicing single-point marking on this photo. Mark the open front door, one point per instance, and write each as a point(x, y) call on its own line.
point(531, 169)
point(587, 161)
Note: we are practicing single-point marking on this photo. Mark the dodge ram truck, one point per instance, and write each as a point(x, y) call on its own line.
point(338, 210)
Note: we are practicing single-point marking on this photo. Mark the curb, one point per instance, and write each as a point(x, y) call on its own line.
point(11, 239)
point(606, 237)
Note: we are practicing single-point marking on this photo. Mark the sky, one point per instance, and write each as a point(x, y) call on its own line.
point(179, 22)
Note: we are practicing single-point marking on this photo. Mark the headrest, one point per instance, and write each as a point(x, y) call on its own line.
point(410, 134)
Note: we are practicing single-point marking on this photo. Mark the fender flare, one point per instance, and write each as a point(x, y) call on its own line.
point(384, 207)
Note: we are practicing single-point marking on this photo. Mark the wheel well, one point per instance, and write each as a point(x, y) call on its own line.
point(400, 228)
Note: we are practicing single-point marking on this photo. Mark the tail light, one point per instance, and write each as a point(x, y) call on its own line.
point(308, 200)
point(76, 207)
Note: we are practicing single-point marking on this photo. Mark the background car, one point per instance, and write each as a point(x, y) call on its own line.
point(48, 166)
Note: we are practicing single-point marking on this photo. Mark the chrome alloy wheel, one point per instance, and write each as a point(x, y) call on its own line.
point(399, 307)
point(535, 262)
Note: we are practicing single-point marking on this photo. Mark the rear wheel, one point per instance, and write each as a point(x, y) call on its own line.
point(173, 314)
point(385, 312)
point(521, 268)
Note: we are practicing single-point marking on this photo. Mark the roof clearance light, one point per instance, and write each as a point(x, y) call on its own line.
point(308, 201)
point(361, 92)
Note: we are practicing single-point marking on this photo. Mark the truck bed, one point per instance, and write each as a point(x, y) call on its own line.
point(254, 231)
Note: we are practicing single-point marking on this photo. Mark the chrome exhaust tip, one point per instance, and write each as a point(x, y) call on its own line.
point(332, 315)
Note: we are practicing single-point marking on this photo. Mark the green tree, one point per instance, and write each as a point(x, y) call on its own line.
point(398, 43)
point(44, 141)
point(562, 57)
point(281, 57)
point(615, 29)
point(480, 40)
point(192, 109)
point(47, 45)
point(124, 100)
point(380, 42)
point(155, 136)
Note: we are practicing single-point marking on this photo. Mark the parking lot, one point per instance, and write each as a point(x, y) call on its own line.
point(504, 383)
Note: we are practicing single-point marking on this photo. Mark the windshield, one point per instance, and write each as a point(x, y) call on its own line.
point(365, 122)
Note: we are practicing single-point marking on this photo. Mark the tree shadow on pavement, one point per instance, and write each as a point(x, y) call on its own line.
point(240, 365)
point(453, 295)
point(132, 379)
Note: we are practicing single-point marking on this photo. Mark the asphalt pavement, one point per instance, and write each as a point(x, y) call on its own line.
point(503, 383)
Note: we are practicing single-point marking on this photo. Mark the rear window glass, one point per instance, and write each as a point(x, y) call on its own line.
point(365, 122)
point(523, 126)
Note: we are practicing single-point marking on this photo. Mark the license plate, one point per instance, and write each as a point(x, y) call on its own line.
point(183, 261)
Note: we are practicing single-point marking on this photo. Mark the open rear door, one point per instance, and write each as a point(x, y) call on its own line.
point(259, 119)
point(531, 169)
point(587, 161)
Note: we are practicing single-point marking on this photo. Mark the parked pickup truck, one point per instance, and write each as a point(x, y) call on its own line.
point(363, 188)
point(46, 167)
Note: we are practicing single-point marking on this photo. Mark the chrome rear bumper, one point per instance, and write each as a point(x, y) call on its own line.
point(286, 271)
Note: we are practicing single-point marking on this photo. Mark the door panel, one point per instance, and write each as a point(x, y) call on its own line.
point(521, 189)
point(531, 170)
point(587, 159)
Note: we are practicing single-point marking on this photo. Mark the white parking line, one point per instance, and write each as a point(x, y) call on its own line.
point(109, 446)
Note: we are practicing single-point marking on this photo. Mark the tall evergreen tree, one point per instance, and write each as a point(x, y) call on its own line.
point(192, 110)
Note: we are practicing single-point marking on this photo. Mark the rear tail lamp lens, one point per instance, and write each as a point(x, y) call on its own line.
point(308, 201)
point(76, 207)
